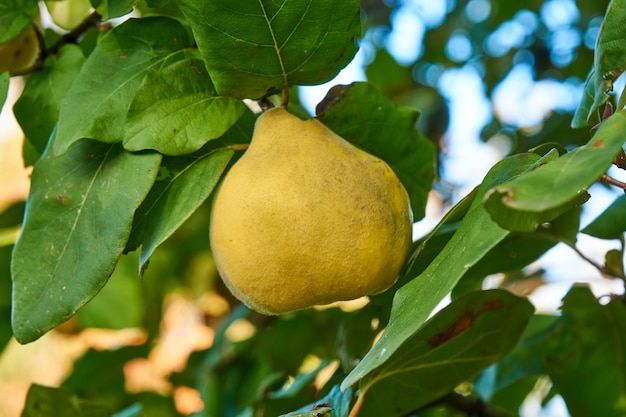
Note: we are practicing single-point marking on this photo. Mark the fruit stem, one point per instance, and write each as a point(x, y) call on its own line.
point(238, 147)
point(285, 96)
point(357, 405)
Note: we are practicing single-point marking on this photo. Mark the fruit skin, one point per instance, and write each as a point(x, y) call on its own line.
point(20, 52)
point(305, 218)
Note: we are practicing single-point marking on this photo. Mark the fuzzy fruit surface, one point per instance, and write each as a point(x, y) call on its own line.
point(305, 218)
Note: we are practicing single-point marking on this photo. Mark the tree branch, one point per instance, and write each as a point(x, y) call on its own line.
point(72, 36)
point(612, 181)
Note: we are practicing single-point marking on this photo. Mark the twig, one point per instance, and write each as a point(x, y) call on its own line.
point(285, 95)
point(612, 181)
point(357, 405)
point(72, 36)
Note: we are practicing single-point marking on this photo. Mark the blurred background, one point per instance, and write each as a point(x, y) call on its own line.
point(491, 78)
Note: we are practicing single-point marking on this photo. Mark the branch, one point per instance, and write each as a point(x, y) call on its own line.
point(612, 181)
point(72, 36)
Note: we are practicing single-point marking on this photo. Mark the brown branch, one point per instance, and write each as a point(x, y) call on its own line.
point(612, 181)
point(72, 36)
point(285, 101)
point(357, 406)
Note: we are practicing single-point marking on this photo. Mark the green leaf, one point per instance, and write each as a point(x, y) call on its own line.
point(428, 247)
point(15, 16)
point(455, 345)
point(585, 355)
point(176, 111)
point(525, 360)
point(95, 106)
point(520, 249)
point(587, 113)
point(611, 223)
point(609, 59)
point(5, 77)
point(123, 295)
point(413, 303)
point(58, 402)
point(108, 366)
point(174, 198)
point(78, 219)
point(254, 48)
point(363, 116)
point(172, 201)
point(614, 262)
point(113, 8)
point(358, 331)
point(498, 200)
point(37, 109)
point(540, 195)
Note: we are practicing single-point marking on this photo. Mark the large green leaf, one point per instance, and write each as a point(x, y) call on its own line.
point(362, 115)
point(609, 62)
point(176, 111)
point(538, 196)
point(186, 183)
point(257, 47)
point(95, 106)
point(524, 361)
point(37, 109)
point(585, 355)
point(413, 303)
point(15, 16)
point(611, 223)
point(78, 219)
point(455, 345)
point(587, 113)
